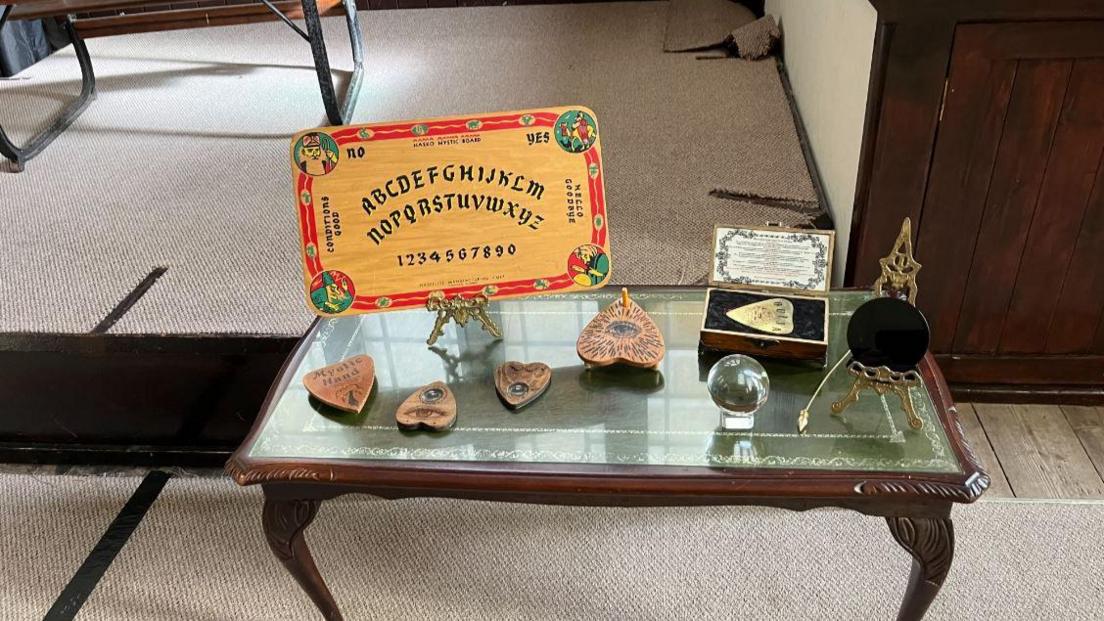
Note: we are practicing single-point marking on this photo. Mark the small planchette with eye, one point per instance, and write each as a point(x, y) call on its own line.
point(432, 408)
point(888, 332)
point(344, 385)
point(621, 334)
point(519, 384)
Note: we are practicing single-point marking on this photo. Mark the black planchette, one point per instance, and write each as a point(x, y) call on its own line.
point(888, 332)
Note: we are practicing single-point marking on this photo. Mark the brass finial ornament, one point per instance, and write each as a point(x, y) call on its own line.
point(460, 310)
point(887, 337)
point(899, 268)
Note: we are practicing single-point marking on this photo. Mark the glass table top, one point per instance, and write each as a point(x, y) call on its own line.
point(599, 416)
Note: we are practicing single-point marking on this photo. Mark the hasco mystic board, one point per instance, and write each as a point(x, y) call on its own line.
point(504, 205)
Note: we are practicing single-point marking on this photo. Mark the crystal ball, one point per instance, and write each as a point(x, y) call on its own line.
point(738, 384)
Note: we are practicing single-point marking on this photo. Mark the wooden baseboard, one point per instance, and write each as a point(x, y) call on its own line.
point(1019, 393)
point(1069, 380)
point(1024, 370)
point(188, 400)
point(131, 399)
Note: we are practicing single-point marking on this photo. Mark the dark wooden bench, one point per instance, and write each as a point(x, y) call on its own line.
point(284, 10)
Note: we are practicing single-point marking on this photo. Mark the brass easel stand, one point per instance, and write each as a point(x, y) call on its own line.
point(881, 380)
point(459, 309)
point(898, 279)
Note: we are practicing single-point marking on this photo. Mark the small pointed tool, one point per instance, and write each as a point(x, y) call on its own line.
point(774, 315)
point(621, 334)
point(345, 385)
point(431, 407)
point(519, 384)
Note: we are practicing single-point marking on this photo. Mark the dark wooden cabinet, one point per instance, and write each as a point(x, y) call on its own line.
point(991, 137)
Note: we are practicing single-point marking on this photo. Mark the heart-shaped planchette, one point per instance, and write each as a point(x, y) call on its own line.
point(519, 384)
point(774, 315)
point(345, 385)
point(432, 407)
point(621, 334)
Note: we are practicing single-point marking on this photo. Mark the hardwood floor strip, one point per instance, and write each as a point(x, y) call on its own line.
point(1041, 453)
point(1088, 424)
point(975, 435)
point(1012, 446)
point(1062, 454)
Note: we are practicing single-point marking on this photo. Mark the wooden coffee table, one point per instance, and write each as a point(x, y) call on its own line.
point(603, 437)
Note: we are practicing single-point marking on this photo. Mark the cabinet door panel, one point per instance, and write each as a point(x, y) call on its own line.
point(1010, 204)
point(1067, 184)
point(972, 123)
point(1011, 233)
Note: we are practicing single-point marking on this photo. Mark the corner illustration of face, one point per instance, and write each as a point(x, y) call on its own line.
point(314, 156)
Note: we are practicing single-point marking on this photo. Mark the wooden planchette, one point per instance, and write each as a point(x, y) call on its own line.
point(432, 407)
point(519, 384)
point(621, 334)
point(345, 385)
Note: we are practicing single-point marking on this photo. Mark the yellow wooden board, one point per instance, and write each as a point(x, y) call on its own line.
point(505, 205)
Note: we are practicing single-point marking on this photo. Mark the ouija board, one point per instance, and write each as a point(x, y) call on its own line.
point(504, 205)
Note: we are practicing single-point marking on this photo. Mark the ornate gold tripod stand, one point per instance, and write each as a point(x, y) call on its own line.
point(881, 380)
point(460, 310)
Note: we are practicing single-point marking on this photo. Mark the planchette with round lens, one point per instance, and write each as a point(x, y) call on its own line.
point(431, 408)
point(887, 332)
point(519, 384)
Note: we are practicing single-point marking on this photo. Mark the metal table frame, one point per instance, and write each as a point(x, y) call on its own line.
point(338, 113)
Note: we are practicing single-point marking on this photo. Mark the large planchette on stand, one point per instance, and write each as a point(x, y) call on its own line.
point(621, 334)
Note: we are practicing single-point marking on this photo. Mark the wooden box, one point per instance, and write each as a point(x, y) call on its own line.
point(787, 272)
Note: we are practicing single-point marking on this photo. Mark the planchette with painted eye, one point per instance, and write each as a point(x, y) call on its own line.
point(621, 334)
point(431, 408)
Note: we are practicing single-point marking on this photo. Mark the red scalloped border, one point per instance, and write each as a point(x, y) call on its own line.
point(313, 265)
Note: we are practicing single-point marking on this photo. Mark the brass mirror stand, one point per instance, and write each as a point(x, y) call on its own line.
point(881, 380)
point(460, 310)
point(898, 279)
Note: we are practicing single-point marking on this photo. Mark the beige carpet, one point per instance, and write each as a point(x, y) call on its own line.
point(181, 160)
point(48, 525)
point(200, 556)
point(698, 24)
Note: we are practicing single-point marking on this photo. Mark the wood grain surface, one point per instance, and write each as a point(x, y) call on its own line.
point(519, 384)
point(1039, 452)
point(431, 408)
point(344, 385)
point(621, 334)
point(505, 205)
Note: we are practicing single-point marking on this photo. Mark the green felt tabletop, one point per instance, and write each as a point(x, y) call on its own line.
point(609, 416)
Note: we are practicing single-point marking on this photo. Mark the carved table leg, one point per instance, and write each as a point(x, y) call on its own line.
point(284, 522)
point(930, 541)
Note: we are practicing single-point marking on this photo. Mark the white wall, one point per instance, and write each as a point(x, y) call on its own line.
point(828, 46)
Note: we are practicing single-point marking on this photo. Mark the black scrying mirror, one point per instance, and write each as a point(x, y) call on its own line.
point(888, 332)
